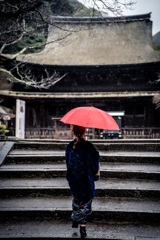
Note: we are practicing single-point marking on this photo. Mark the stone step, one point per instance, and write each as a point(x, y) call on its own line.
point(108, 170)
point(60, 230)
point(48, 156)
point(132, 140)
point(119, 146)
point(5, 148)
point(59, 187)
point(104, 209)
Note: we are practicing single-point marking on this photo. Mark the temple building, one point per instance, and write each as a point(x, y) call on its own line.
point(107, 63)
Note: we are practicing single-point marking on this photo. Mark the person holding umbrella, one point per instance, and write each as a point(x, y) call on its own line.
point(82, 160)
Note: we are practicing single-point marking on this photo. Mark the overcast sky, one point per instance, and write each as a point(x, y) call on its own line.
point(141, 7)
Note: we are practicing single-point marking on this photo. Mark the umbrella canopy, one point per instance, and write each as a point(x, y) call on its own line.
point(90, 117)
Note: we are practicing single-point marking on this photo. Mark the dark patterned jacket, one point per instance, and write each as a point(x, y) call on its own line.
point(82, 165)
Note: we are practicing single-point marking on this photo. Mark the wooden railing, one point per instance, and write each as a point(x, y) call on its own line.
point(49, 133)
point(40, 133)
point(140, 133)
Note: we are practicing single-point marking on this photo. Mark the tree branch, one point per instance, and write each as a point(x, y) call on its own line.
point(30, 81)
point(20, 11)
point(14, 28)
point(156, 100)
point(8, 44)
point(37, 46)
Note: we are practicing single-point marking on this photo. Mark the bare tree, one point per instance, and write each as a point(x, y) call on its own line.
point(29, 19)
point(156, 97)
point(156, 100)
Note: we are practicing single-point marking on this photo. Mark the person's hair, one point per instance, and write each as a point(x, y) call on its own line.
point(78, 132)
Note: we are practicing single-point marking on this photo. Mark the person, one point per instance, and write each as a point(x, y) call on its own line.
point(82, 160)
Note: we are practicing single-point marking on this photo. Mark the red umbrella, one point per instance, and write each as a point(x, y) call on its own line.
point(90, 117)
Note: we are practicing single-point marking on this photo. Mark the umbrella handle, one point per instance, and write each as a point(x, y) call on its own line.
point(97, 176)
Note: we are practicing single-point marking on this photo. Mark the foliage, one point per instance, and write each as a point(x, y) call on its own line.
point(156, 38)
point(36, 36)
point(156, 47)
point(24, 29)
point(27, 41)
point(70, 8)
point(81, 11)
point(22, 26)
point(3, 128)
point(18, 86)
point(85, 12)
point(62, 8)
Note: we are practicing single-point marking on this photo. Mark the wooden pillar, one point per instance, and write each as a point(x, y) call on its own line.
point(42, 114)
point(71, 133)
point(56, 132)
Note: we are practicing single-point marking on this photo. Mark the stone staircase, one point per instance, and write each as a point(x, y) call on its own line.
point(35, 200)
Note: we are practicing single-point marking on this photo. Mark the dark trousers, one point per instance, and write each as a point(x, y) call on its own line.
point(81, 211)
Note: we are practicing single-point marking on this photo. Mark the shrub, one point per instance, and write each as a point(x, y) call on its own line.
point(156, 47)
point(2, 128)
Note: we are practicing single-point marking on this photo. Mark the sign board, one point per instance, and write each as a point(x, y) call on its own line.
point(20, 119)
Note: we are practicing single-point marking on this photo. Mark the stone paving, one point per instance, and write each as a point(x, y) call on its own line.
point(35, 202)
point(60, 182)
point(62, 230)
point(99, 204)
point(18, 152)
point(130, 167)
point(5, 148)
point(1, 145)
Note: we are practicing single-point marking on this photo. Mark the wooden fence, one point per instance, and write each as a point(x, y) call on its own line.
point(40, 133)
point(49, 133)
point(151, 133)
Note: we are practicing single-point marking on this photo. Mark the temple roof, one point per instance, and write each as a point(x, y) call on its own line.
point(73, 95)
point(58, 19)
point(97, 41)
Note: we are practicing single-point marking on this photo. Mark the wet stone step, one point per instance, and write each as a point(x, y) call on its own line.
point(104, 209)
point(59, 187)
point(46, 157)
point(5, 148)
point(53, 229)
point(119, 146)
point(108, 170)
point(120, 141)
